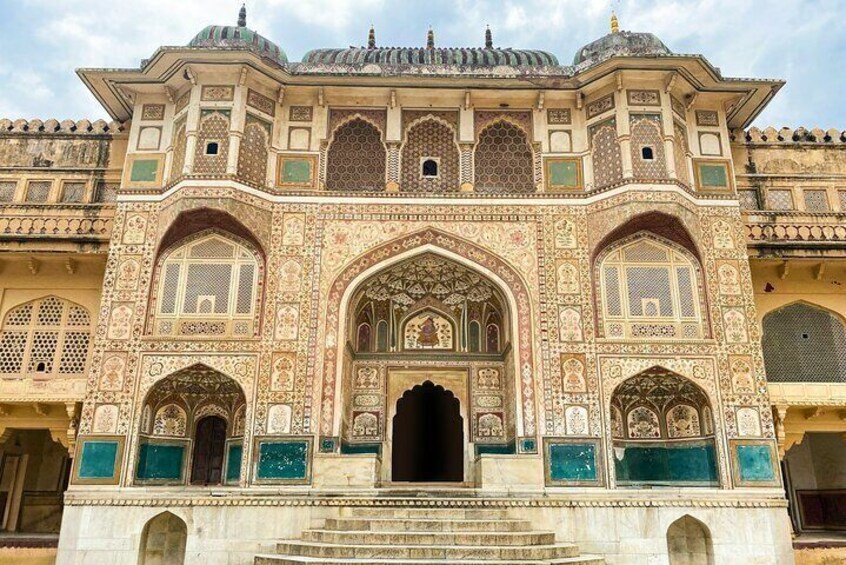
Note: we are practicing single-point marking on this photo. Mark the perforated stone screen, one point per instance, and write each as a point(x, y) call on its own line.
point(73, 192)
point(430, 139)
point(7, 190)
point(605, 149)
point(252, 158)
point(780, 200)
point(504, 160)
point(356, 159)
point(748, 199)
point(816, 201)
point(45, 337)
point(38, 191)
point(804, 344)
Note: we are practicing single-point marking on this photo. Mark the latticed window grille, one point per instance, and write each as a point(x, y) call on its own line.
point(647, 132)
point(208, 285)
point(605, 150)
point(430, 140)
point(356, 159)
point(816, 201)
point(504, 160)
point(46, 337)
point(105, 192)
point(841, 196)
point(803, 343)
point(650, 289)
point(7, 190)
point(780, 200)
point(680, 150)
point(73, 192)
point(748, 199)
point(179, 142)
point(252, 158)
point(38, 190)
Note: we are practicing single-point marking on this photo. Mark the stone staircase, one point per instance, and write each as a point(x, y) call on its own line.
point(426, 536)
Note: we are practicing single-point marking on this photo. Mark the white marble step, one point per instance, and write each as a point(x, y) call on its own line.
point(429, 538)
point(425, 525)
point(427, 512)
point(441, 552)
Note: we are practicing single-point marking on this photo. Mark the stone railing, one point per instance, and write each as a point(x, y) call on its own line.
point(796, 229)
point(770, 135)
point(87, 223)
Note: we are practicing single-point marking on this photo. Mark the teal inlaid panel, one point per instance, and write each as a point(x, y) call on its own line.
point(144, 170)
point(283, 460)
point(160, 462)
point(233, 462)
point(659, 464)
point(296, 171)
point(713, 176)
point(496, 448)
point(563, 174)
point(572, 462)
point(356, 448)
point(755, 463)
point(98, 459)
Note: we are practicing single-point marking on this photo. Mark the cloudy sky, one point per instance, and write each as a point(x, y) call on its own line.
point(43, 41)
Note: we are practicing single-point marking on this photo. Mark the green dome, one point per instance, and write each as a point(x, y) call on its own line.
point(239, 37)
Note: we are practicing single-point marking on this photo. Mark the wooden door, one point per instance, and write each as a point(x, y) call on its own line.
point(209, 448)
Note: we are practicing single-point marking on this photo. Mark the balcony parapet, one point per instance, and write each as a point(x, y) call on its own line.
point(77, 224)
point(822, 232)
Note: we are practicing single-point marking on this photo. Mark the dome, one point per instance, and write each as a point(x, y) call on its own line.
point(239, 37)
point(620, 44)
point(469, 56)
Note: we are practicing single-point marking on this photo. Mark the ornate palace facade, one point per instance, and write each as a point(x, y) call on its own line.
point(435, 288)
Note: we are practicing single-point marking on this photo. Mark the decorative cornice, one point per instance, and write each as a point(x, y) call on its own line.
point(581, 500)
point(81, 127)
point(788, 136)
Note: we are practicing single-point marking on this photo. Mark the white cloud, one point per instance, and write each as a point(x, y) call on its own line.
point(791, 39)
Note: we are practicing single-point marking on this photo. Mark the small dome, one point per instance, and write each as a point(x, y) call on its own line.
point(620, 44)
point(239, 37)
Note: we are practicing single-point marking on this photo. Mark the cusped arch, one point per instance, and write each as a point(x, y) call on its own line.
point(440, 143)
point(503, 158)
point(804, 342)
point(356, 155)
point(506, 278)
point(667, 226)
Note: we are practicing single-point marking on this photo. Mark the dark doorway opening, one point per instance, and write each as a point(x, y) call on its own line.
point(428, 441)
point(209, 446)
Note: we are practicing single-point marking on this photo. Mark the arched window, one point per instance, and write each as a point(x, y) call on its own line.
point(356, 158)
point(504, 160)
point(662, 431)
point(208, 285)
point(803, 343)
point(650, 288)
point(45, 337)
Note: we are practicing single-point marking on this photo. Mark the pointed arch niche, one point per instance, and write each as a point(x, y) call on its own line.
point(192, 430)
point(163, 540)
point(662, 429)
point(418, 304)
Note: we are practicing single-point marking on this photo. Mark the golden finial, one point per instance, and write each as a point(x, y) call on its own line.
point(615, 25)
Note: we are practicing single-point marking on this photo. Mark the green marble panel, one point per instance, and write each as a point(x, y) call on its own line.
point(665, 464)
point(144, 170)
point(160, 462)
point(357, 448)
point(233, 462)
point(755, 463)
point(572, 462)
point(713, 176)
point(98, 459)
point(563, 174)
point(296, 171)
point(496, 448)
point(283, 460)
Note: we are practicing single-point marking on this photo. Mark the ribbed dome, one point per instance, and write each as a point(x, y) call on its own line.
point(458, 56)
point(239, 37)
point(620, 44)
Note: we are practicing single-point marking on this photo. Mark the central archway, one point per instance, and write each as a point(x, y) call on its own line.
point(428, 436)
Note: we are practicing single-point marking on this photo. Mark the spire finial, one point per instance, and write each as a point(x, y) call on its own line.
point(430, 39)
point(242, 16)
point(371, 38)
point(615, 24)
point(488, 38)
